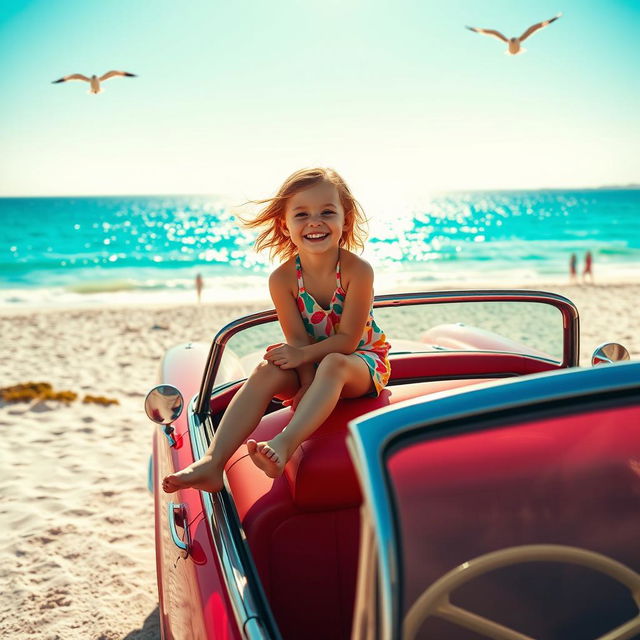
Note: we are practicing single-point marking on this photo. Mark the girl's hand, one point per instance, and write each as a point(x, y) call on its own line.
point(284, 356)
point(295, 400)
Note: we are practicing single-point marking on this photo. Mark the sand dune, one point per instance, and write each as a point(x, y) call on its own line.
point(77, 550)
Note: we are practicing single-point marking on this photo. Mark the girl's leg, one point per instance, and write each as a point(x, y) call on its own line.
point(241, 417)
point(337, 375)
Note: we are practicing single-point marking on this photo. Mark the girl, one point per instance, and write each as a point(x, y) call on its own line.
point(323, 296)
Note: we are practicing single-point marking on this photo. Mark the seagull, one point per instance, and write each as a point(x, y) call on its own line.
point(514, 43)
point(94, 80)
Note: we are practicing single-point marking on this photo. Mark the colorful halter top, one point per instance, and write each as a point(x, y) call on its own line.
point(321, 323)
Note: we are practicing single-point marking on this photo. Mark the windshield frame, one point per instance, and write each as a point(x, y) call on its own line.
point(570, 320)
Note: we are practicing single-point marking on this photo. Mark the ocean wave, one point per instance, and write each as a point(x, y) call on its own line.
point(105, 286)
point(89, 248)
point(240, 289)
point(621, 251)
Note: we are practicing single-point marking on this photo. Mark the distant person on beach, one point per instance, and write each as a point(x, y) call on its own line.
point(588, 267)
point(573, 273)
point(323, 294)
point(199, 285)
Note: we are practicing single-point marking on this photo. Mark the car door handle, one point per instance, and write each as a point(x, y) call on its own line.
point(168, 433)
point(178, 511)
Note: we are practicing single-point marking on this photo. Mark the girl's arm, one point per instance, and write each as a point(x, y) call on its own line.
point(289, 317)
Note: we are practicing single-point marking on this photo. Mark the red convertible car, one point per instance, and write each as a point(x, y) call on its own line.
point(491, 491)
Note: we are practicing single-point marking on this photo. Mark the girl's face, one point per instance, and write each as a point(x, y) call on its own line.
point(314, 218)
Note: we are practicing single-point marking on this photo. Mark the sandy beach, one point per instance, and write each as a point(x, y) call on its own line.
point(77, 550)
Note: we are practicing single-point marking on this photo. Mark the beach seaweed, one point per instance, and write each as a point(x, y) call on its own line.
point(104, 401)
point(29, 391)
point(32, 391)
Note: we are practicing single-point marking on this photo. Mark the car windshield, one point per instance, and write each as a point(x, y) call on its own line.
point(522, 327)
point(572, 482)
point(515, 327)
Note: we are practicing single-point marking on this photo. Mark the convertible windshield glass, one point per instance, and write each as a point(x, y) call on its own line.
point(522, 327)
point(482, 502)
point(516, 327)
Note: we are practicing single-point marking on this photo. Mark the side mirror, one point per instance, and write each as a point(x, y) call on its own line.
point(609, 352)
point(164, 404)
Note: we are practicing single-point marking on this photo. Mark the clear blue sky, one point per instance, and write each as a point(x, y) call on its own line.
point(234, 95)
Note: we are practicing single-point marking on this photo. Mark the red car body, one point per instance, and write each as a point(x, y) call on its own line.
point(292, 557)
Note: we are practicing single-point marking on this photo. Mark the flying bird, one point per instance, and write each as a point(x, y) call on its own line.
point(94, 81)
point(514, 43)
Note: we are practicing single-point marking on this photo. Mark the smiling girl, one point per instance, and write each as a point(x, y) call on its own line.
point(323, 295)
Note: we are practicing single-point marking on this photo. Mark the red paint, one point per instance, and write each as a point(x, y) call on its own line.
point(191, 592)
point(304, 527)
point(304, 524)
point(411, 366)
point(570, 480)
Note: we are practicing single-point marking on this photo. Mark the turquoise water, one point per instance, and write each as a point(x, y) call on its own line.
point(60, 249)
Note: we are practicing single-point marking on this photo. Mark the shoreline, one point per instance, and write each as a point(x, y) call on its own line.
point(173, 299)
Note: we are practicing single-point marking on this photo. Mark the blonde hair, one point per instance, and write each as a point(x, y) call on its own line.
point(272, 216)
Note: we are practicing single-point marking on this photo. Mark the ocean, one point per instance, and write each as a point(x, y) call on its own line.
point(97, 250)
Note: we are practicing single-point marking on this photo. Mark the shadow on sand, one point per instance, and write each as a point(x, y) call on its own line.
point(150, 629)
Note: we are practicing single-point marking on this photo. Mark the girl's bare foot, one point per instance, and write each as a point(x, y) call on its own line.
point(267, 456)
point(203, 474)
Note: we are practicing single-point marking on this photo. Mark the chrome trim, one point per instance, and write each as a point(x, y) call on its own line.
point(171, 518)
point(370, 435)
point(217, 348)
point(150, 474)
point(168, 430)
point(253, 628)
point(233, 571)
point(373, 493)
point(566, 307)
point(157, 399)
point(608, 353)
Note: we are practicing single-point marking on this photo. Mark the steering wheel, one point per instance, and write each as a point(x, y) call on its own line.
point(435, 600)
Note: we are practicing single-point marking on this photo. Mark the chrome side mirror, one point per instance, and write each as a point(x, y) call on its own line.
point(164, 404)
point(609, 352)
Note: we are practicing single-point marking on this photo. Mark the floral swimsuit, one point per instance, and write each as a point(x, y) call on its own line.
point(321, 323)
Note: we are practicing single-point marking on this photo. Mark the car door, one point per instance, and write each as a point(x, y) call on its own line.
point(193, 597)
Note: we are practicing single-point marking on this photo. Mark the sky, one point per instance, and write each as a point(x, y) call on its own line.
point(401, 99)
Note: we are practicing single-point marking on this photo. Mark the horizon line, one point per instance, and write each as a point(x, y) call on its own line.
point(629, 186)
